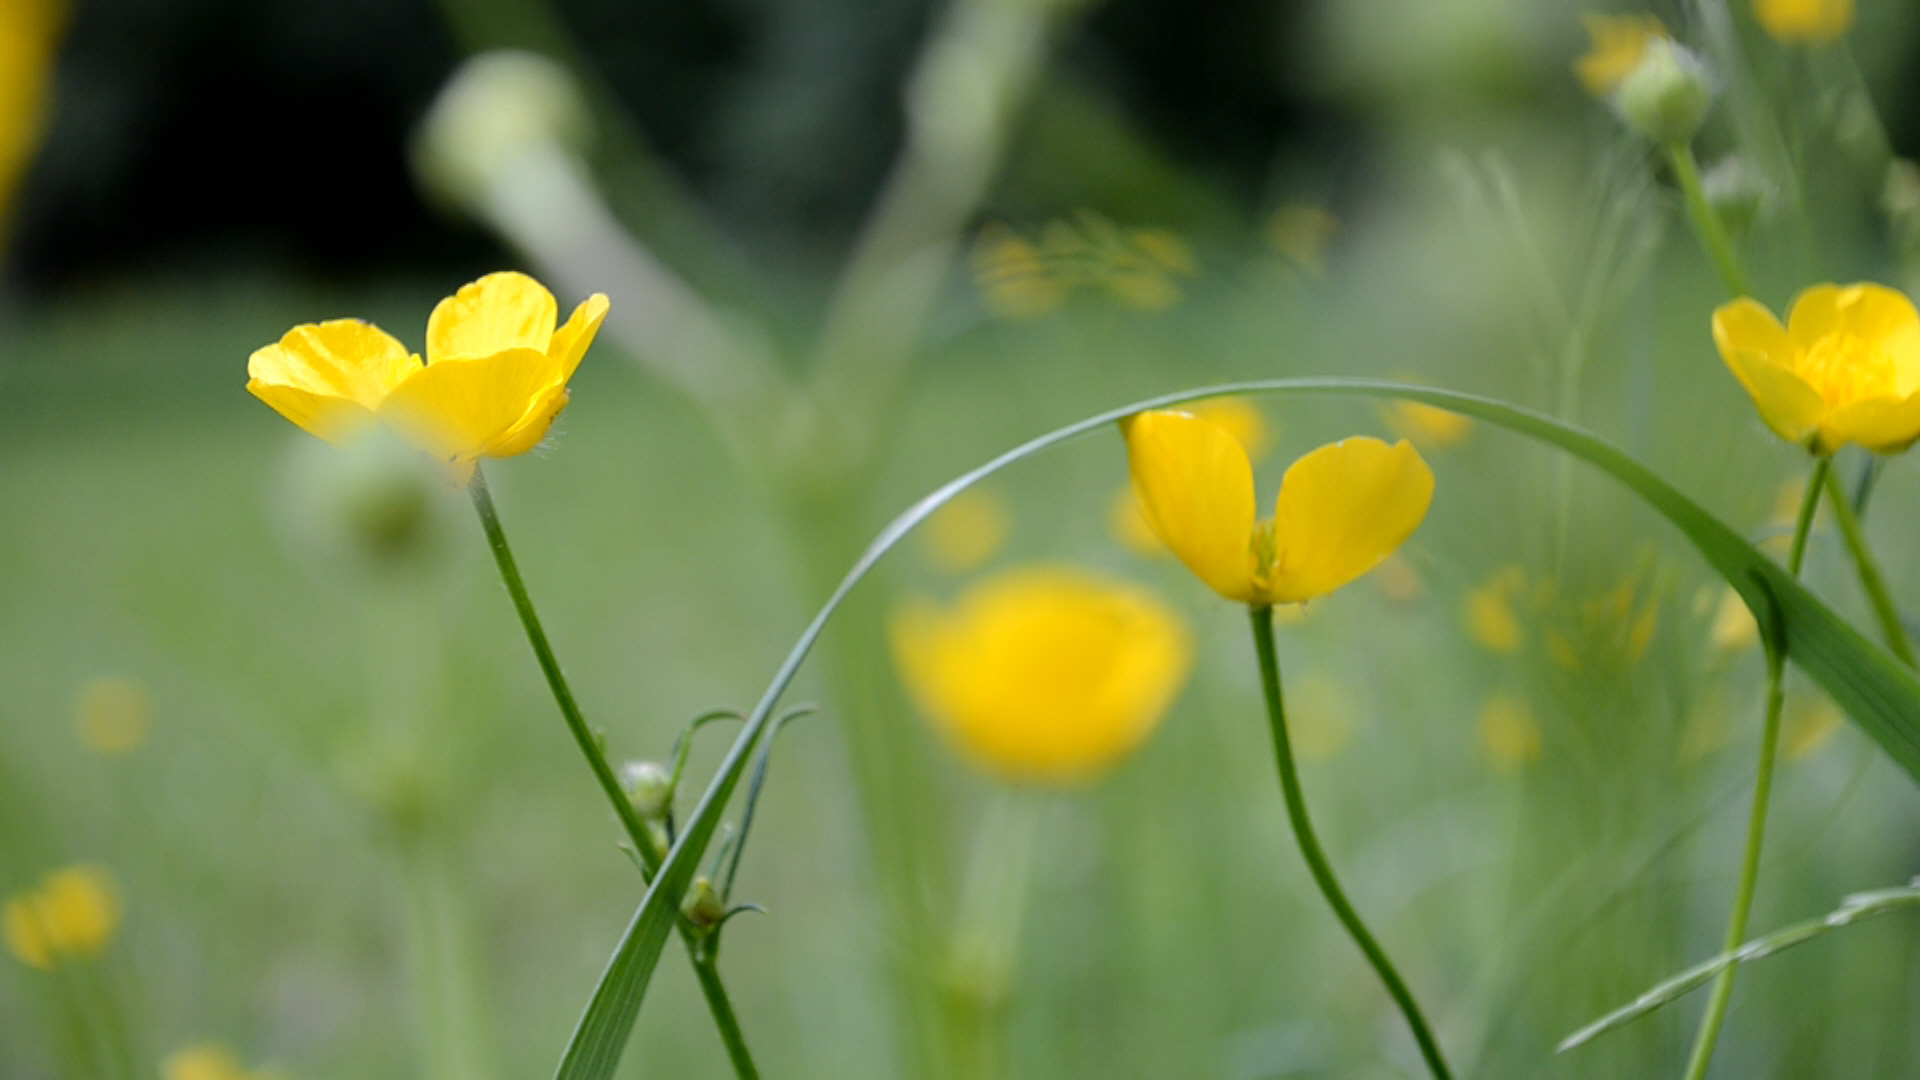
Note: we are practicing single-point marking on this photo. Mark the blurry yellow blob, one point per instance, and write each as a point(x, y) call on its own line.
point(1618, 42)
point(1241, 419)
point(72, 912)
point(1128, 524)
point(1014, 280)
point(1509, 733)
point(1791, 21)
point(1342, 509)
point(210, 1061)
point(1047, 674)
point(1301, 232)
point(1844, 369)
point(29, 38)
point(1320, 716)
point(1426, 425)
point(1491, 619)
point(1807, 723)
point(1398, 581)
point(1733, 624)
point(113, 715)
point(967, 530)
point(495, 376)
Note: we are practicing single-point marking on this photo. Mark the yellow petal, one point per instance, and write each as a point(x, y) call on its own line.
point(1342, 509)
point(463, 409)
point(502, 311)
point(531, 428)
point(1745, 325)
point(1867, 310)
point(1788, 405)
point(20, 924)
point(1878, 424)
point(570, 341)
point(77, 909)
point(1045, 673)
point(1195, 487)
point(345, 359)
point(334, 419)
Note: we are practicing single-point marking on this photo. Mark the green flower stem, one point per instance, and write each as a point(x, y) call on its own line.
point(1712, 231)
point(1317, 860)
point(1710, 1022)
point(705, 962)
point(1869, 570)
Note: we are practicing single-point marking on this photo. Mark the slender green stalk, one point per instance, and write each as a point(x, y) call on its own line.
point(705, 963)
point(1317, 859)
point(1716, 1014)
point(1712, 231)
point(1868, 570)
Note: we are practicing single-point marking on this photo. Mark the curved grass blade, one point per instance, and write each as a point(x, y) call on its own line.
point(1881, 695)
point(1852, 909)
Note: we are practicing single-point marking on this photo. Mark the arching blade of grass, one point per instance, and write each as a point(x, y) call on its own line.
point(1852, 909)
point(1881, 695)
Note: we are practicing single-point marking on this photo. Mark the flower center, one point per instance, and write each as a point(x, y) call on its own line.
point(1844, 368)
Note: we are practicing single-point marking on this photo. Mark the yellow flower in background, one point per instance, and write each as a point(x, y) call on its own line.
point(967, 530)
point(1320, 716)
point(1734, 626)
point(72, 912)
point(1341, 510)
point(1427, 425)
point(1302, 233)
point(29, 37)
point(1809, 723)
point(210, 1061)
point(1013, 278)
point(113, 714)
point(1791, 21)
point(1241, 419)
point(1844, 369)
point(1489, 611)
point(1618, 43)
point(1509, 733)
point(1044, 673)
point(495, 376)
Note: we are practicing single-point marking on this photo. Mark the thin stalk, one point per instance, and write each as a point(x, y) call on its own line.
point(1716, 1014)
point(705, 963)
point(1262, 617)
point(1868, 570)
point(1712, 232)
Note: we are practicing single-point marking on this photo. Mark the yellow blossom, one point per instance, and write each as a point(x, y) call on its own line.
point(1618, 42)
point(72, 912)
point(1014, 279)
point(1792, 21)
point(210, 1061)
point(1242, 419)
point(1844, 369)
point(495, 376)
point(1428, 425)
point(1509, 733)
point(1044, 673)
point(1341, 509)
point(1809, 722)
point(29, 34)
point(1489, 611)
point(112, 715)
point(967, 530)
point(1734, 626)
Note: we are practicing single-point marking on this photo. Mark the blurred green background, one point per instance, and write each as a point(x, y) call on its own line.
point(353, 834)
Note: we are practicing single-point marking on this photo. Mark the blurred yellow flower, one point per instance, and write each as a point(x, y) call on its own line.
point(1013, 278)
point(1427, 425)
point(1241, 418)
point(1618, 42)
point(29, 35)
point(1509, 733)
point(1044, 673)
point(1398, 581)
point(1810, 721)
point(210, 1061)
point(1320, 716)
point(72, 912)
point(495, 377)
point(1128, 524)
point(1489, 611)
point(1804, 20)
point(1302, 232)
point(967, 530)
point(1341, 510)
point(112, 714)
point(1844, 369)
point(1734, 626)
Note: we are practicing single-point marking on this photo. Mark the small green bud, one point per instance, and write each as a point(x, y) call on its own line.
point(494, 110)
point(1665, 97)
point(1735, 192)
point(649, 787)
point(704, 908)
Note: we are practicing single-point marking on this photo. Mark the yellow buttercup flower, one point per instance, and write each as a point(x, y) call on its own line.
point(1844, 369)
point(968, 530)
point(72, 912)
point(495, 376)
point(1618, 43)
point(1045, 673)
point(1804, 20)
point(1342, 508)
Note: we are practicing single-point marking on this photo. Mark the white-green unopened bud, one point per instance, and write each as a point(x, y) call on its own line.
point(649, 786)
point(497, 107)
point(1665, 97)
point(375, 502)
point(704, 908)
point(1735, 192)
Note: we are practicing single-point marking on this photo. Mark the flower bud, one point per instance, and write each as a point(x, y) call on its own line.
point(649, 787)
point(375, 502)
point(497, 107)
point(1735, 192)
point(704, 908)
point(1665, 96)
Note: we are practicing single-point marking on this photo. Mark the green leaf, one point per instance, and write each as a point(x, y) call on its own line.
point(1878, 693)
point(1852, 909)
